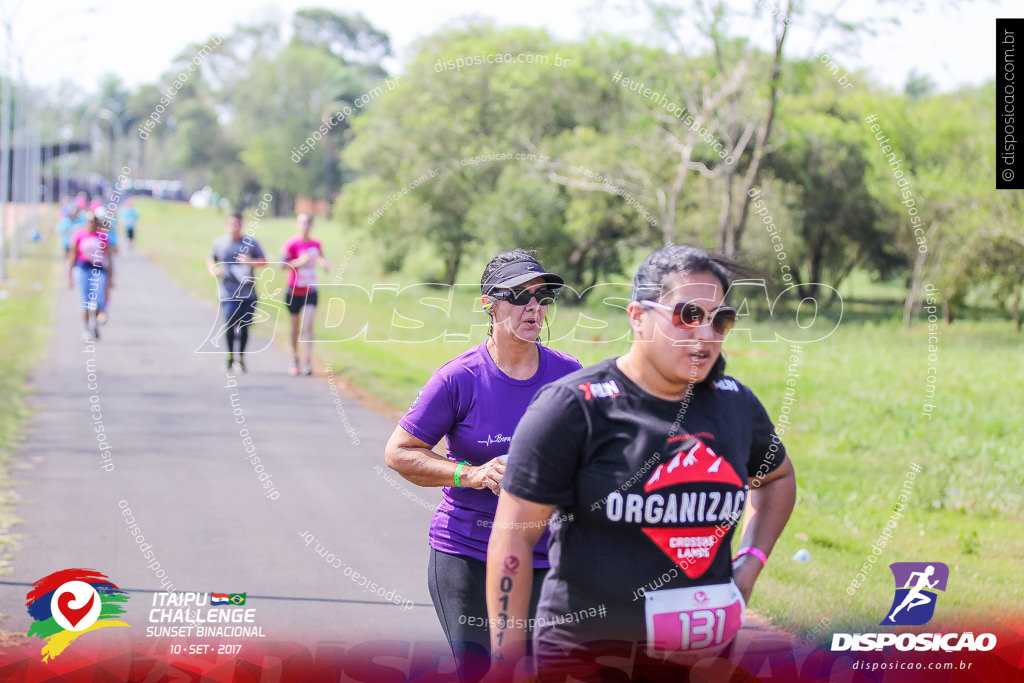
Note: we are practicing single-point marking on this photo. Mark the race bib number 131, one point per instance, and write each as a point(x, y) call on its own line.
point(688, 619)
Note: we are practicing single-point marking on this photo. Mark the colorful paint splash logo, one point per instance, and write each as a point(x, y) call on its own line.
point(69, 603)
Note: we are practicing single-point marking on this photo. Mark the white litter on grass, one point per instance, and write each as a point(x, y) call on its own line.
point(802, 556)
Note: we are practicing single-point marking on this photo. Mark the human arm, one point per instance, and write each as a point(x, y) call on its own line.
point(772, 494)
point(109, 234)
point(72, 256)
point(437, 410)
point(213, 262)
point(291, 256)
point(252, 261)
point(213, 265)
point(414, 459)
point(518, 525)
point(254, 257)
point(543, 464)
point(770, 505)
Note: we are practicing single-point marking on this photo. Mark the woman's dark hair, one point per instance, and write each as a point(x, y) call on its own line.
point(649, 281)
point(505, 258)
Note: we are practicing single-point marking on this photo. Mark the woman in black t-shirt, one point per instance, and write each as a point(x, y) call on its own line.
point(648, 460)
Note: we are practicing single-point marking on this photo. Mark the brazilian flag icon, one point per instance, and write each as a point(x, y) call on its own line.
point(236, 598)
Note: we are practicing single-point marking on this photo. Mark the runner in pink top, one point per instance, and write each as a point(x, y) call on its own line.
point(91, 268)
point(301, 254)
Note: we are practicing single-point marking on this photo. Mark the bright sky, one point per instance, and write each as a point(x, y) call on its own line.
point(64, 39)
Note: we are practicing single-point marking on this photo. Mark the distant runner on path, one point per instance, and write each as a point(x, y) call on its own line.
point(91, 268)
point(233, 261)
point(301, 254)
point(129, 216)
point(69, 223)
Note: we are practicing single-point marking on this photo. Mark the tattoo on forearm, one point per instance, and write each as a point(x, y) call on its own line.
point(509, 568)
point(506, 588)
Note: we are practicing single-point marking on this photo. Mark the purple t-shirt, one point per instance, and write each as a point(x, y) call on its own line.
point(476, 406)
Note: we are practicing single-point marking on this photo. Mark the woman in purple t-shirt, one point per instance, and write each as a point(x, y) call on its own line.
point(475, 401)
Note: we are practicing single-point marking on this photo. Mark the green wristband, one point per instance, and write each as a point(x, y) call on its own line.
point(457, 469)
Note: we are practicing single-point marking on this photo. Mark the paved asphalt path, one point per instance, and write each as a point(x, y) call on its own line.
point(180, 466)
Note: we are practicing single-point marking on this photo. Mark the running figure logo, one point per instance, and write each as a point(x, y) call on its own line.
point(916, 586)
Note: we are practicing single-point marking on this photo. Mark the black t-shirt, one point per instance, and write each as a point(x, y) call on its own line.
point(648, 494)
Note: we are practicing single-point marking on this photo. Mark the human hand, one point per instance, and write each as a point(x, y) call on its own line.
point(745, 571)
point(488, 475)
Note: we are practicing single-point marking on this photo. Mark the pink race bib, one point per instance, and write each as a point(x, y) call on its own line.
point(305, 276)
point(692, 619)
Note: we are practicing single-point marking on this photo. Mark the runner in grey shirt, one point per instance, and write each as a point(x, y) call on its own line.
point(233, 262)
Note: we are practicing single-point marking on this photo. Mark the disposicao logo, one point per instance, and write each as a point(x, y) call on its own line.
point(916, 586)
point(913, 605)
point(72, 602)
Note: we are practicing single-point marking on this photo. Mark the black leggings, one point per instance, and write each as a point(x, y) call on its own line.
point(238, 315)
point(458, 588)
point(242, 336)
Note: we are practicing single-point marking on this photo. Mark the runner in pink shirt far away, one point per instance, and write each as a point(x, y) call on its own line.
point(301, 254)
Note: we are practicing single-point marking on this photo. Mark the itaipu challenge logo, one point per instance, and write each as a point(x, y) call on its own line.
point(70, 603)
point(916, 586)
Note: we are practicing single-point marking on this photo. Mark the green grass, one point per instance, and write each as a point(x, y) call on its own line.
point(858, 426)
point(26, 310)
point(857, 422)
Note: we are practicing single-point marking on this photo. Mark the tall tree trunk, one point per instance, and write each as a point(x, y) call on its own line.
point(1016, 309)
point(726, 212)
point(816, 257)
point(915, 288)
point(734, 232)
point(452, 265)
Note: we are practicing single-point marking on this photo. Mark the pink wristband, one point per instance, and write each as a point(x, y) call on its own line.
point(750, 550)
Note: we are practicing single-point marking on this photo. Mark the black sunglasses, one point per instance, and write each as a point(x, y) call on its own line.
point(521, 297)
point(687, 315)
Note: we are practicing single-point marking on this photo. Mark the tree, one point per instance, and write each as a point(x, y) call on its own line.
point(733, 92)
point(110, 113)
point(251, 103)
point(422, 138)
point(838, 222)
point(276, 109)
point(349, 37)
